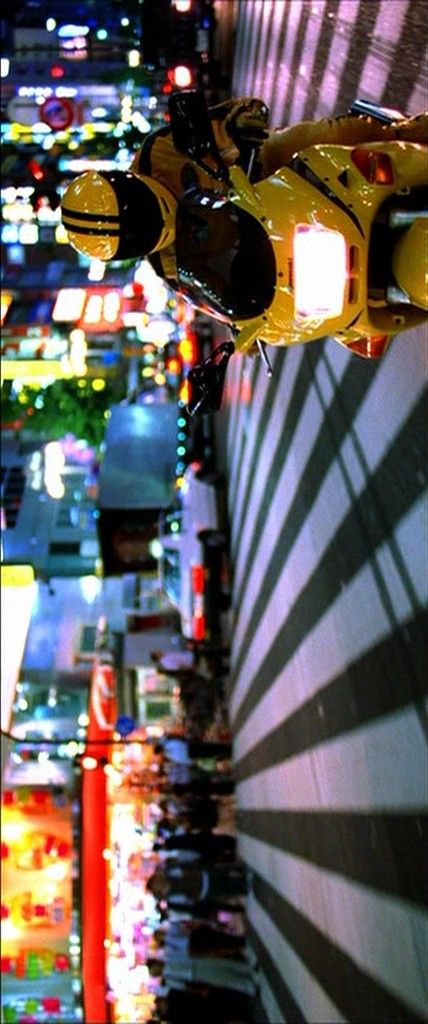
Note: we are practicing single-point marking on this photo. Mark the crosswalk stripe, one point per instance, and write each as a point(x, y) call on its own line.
point(263, 393)
point(300, 385)
point(302, 83)
point(368, 975)
point(265, 40)
point(352, 771)
point(386, 34)
point(332, 524)
point(329, 91)
point(309, 998)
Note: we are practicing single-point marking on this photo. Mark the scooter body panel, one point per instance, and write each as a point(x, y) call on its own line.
point(324, 190)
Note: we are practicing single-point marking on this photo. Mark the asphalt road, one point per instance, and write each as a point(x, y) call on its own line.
point(327, 468)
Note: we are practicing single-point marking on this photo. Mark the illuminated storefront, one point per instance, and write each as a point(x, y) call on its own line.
point(38, 961)
point(120, 794)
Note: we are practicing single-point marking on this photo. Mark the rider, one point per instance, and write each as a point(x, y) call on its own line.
point(120, 215)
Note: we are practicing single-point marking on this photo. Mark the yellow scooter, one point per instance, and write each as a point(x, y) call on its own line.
point(335, 243)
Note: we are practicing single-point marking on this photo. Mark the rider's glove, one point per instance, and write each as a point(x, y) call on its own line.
point(248, 122)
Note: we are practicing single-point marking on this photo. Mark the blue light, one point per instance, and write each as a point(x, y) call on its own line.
point(69, 31)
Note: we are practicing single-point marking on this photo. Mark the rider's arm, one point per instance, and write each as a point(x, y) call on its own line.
point(238, 122)
point(281, 145)
point(233, 122)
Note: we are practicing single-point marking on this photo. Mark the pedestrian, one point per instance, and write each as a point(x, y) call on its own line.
point(193, 937)
point(185, 882)
point(185, 750)
point(207, 784)
point(216, 971)
point(175, 663)
point(210, 847)
point(199, 1003)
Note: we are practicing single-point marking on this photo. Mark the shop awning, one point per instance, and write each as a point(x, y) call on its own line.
point(102, 717)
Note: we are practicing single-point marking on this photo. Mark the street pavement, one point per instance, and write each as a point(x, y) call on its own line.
point(326, 464)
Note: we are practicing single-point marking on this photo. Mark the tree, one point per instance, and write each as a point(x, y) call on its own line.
point(66, 406)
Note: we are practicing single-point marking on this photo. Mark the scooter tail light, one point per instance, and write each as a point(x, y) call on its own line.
point(376, 167)
point(372, 347)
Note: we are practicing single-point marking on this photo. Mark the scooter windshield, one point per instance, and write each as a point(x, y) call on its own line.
point(225, 260)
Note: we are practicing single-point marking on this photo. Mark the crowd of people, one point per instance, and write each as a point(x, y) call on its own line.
point(200, 962)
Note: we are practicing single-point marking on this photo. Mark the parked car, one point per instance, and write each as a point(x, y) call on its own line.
point(194, 562)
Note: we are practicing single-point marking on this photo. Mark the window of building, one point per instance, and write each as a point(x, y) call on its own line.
point(13, 484)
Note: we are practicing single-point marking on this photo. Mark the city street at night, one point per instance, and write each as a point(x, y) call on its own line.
point(213, 627)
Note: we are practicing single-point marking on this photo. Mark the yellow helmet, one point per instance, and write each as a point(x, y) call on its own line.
point(115, 215)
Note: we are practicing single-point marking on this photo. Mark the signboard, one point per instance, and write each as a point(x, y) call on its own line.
point(57, 112)
point(36, 904)
point(91, 309)
point(23, 110)
point(102, 310)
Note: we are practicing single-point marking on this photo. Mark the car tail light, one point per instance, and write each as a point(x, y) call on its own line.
point(376, 167)
point(198, 589)
point(372, 347)
point(198, 627)
point(198, 579)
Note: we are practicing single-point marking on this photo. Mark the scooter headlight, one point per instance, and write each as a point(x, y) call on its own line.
point(319, 272)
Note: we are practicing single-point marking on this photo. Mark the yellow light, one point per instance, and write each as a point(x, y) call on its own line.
point(11, 831)
point(98, 384)
point(56, 872)
point(148, 371)
point(134, 58)
point(160, 378)
point(6, 300)
point(184, 392)
point(61, 235)
point(77, 336)
point(33, 369)
point(19, 575)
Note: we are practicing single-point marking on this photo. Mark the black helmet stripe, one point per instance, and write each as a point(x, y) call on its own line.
point(82, 229)
point(90, 216)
